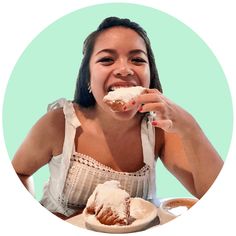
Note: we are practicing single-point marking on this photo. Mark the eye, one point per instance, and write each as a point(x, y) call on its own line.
point(105, 60)
point(138, 60)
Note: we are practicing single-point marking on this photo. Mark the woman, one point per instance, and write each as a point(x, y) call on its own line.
point(85, 143)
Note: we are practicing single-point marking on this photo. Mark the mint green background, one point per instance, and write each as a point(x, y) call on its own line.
point(190, 74)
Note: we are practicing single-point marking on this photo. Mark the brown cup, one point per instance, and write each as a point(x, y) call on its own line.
point(172, 208)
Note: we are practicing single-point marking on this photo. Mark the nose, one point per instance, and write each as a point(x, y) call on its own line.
point(123, 70)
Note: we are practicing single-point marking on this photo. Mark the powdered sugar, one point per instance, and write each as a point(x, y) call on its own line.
point(109, 195)
point(124, 94)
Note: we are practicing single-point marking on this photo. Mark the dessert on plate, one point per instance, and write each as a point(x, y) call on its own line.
point(110, 209)
point(110, 204)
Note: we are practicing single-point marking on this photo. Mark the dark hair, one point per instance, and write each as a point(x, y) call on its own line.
point(82, 95)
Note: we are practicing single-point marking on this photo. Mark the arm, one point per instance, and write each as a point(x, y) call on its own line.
point(186, 152)
point(192, 159)
point(28, 182)
point(37, 148)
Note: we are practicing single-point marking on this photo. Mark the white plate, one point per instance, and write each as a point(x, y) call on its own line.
point(143, 211)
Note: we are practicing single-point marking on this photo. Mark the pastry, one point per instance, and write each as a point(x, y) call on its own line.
point(110, 204)
point(118, 97)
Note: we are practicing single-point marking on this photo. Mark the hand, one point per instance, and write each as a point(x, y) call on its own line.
point(168, 116)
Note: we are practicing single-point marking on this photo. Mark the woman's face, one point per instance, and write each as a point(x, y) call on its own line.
point(119, 59)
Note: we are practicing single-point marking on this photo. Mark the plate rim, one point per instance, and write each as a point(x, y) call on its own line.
point(124, 228)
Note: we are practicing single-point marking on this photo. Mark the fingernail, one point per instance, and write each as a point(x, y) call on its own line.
point(140, 109)
point(154, 123)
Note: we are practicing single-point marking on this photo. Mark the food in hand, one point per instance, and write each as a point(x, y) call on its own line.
point(110, 204)
point(118, 97)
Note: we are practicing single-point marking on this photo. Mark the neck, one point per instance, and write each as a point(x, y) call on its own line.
point(111, 125)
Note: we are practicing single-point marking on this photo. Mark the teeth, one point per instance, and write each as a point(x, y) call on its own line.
point(116, 87)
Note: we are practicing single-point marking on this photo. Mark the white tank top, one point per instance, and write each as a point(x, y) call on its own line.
point(74, 176)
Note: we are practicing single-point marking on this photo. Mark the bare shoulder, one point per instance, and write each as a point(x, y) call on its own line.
point(44, 140)
point(54, 124)
point(50, 123)
point(54, 119)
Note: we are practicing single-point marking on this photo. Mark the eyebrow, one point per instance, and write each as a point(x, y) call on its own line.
point(112, 51)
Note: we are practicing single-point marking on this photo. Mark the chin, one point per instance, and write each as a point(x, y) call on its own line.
point(123, 116)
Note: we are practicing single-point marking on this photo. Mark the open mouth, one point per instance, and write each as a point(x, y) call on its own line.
point(115, 87)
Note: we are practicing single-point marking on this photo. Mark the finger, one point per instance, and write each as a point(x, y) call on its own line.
point(152, 95)
point(131, 105)
point(163, 124)
point(148, 98)
point(153, 90)
point(158, 107)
